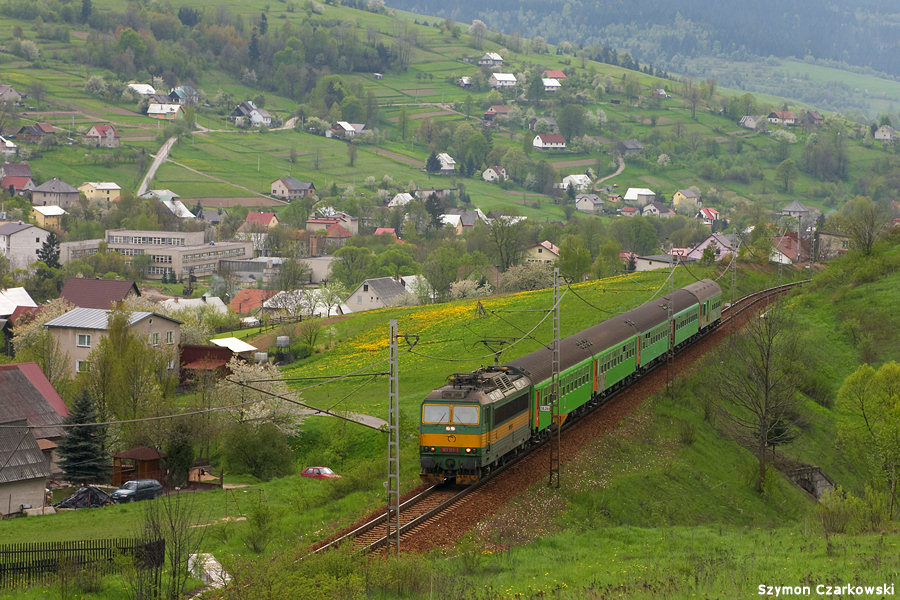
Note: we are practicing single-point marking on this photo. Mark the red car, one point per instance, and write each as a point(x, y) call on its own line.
point(319, 473)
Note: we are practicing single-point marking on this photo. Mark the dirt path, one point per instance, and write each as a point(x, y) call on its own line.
point(618, 171)
point(225, 181)
point(158, 160)
point(398, 157)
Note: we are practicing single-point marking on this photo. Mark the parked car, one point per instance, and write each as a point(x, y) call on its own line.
point(137, 489)
point(320, 473)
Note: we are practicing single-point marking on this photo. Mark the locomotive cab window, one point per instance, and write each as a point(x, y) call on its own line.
point(465, 415)
point(435, 413)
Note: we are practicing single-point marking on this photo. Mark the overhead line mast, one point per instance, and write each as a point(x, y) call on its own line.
point(556, 421)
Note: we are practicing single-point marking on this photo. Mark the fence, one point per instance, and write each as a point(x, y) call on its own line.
point(262, 325)
point(40, 562)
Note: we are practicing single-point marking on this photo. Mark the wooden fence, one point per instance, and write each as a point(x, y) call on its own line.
point(41, 562)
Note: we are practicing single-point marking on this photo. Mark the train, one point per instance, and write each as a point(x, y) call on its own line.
point(478, 420)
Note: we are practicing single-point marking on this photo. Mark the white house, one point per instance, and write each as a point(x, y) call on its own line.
point(401, 199)
point(886, 133)
point(385, 291)
point(142, 89)
point(708, 215)
point(502, 80)
point(640, 196)
point(549, 141)
point(579, 182)
point(495, 173)
point(7, 148)
point(448, 164)
point(551, 84)
point(490, 59)
point(20, 243)
point(166, 112)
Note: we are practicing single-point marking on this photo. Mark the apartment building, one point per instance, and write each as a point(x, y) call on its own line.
point(177, 252)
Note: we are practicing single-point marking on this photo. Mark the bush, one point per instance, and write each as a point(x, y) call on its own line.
point(259, 449)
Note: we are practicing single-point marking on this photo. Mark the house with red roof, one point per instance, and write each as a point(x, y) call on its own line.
point(386, 231)
point(102, 136)
point(549, 141)
point(261, 219)
point(16, 177)
point(708, 215)
point(337, 234)
point(554, 73)
point(782, 117)
point(249, 300)
point(323, 222)
point(788, 246)
point(97, 293)
point(34, 133)
point(543, 252)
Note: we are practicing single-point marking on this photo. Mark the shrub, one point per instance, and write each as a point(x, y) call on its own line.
point(259, 449)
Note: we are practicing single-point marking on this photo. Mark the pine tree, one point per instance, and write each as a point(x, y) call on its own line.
point(82, 451)
point(433, 165)
point(49, 252)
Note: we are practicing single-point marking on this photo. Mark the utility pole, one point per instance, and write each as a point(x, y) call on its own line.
point(733, 284)
point(555, 420)
point(670, 354)
point(393, 482)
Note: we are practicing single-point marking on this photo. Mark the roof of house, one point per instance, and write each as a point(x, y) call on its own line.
point(12, 228)
point(212, 215)
point(550, 82)
point(51, 210)
point(56, 186)
point(97, 318)
point(163, 109)
point(589, 197)
point(165, 194)
point(104, 130)
point(6, 88)
point(491, 56)
point(551, 138)
point(12, 298)
point(338, 231)
point(177, 208)
point(629, 209)
point(292, 183)
point(103, 185)
point(632, 144)
point(709, 213)
point(783, 114)
point(144, 89)
point(213, 302)
point(20, 455)
point(554, 73)
point(689, 193)
point(28, 394)
point(659, 206)
point(16, 169)
point(387, 288)
point(633, 193)
point(259, 218)
point(385, 231)
point(795, 206)
point(500, 109)
point(140, 453)
point(401, 199)
point(249, 299)
point(547, 246)
point(452, 220)
point(17, 183)
point(234, 344)
point(504, 77)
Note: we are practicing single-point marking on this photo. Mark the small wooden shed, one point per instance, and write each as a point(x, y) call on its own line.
point(140, 462)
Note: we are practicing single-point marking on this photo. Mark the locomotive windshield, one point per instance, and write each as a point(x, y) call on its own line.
point(435, 413)
point(465, 415)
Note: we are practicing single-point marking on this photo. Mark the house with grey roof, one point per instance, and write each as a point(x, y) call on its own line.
point(54, 192)
point(20, 243)
point(79, 331)
point(591, 204)
point(291, 188)
point(26, 468)
point(382, 292)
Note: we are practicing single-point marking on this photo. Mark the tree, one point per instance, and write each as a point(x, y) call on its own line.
point(49, 251)
point(757, 379)
point(292, 275)
point(786, 172)
point(82, 451)
point(574, 259)
point(862, 219)
point(403, 123)
point(507, 236)
point(441, 267)
point(351, 154)
point(433, 165)
point(354, 264)
point(571, 120)
point(477, 31)
point(872, 442)
point(188, 16)
point(86, 9)
point(37, 90)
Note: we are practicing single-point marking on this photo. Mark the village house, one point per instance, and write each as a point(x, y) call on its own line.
point(551, 85)
point(101, 190)
point(382, 292)
point(495, 173)
point(12, 299)
point(165, 112)
point(9, 95)
point(811, 118)
point(345, 130)
point(542, 252)
point(454, 222)
point(290, 189)
point(655, 208)
point(48, 217)
point(830, 244)
point(789, 246)
point(20, 243)
point(263, 220)
point(554, 74)
point(886, 133)
point(24, 478)
point(464, 82)
point(589, 203)
point(56, 192)
point(686, 201)
point(29, 395)
point(399, 199)
point(8, 148)
point(708, 216)
point(753, 122)
point(249, 300)
point(184, 95)
point(629, 147)
point(722, 247)
point(490, 59)
point(142, 89)
point(549, 141)
point(97, 293)
point(102, 136)
point(336, 234)
point(34, 133)
point(79, 331)
point(448, 164)
point(639, 196)
point(247, 114)
point(206, 302)
point(16, 178)
point(782, 117)
point(796, 210)
point(579, 182)
point(630, 211)
point(322, 222)
point(502, 80)
point(659, 261)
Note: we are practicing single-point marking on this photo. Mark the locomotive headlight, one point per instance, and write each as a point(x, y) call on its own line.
point(433, 448)
point(468, 450)
point(450, 428)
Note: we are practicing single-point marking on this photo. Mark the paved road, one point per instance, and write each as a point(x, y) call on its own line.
point(158, 160)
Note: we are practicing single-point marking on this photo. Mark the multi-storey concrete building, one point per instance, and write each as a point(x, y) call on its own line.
point(177, 252)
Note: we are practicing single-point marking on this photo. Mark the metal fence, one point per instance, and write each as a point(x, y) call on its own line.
point(41, 562)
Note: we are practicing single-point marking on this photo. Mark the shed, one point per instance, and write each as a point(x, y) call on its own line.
point(140, 462)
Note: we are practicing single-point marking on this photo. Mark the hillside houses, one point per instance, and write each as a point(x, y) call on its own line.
point(490, 59)
point(247, 114)
point(101, 190)
point(165, 112)
point(639, 196)
point(54, 192)
point(494, 173)
point(290, 189)
point(886, 133)
point(549, 141)
point(686, 201)
point(102, 136)
point(502, 80)
point(782, 117)
point(591, 204)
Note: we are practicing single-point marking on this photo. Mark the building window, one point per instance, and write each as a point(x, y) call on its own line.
point(154, 338)
point(84, 340)
point(171, 364)
point(359, 299)
point(82, 366)
point(170, 337)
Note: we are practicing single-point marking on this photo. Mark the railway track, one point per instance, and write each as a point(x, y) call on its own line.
point(428, 506)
